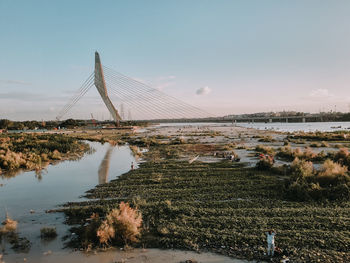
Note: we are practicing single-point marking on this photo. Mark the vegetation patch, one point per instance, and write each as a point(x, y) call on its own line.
point(35, 151)
point(221, 207)
point(332, 182)
point(48, 233)
point(289, 153)
point(322, 136)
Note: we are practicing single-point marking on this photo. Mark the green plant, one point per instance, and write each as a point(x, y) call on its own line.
point(48, 232)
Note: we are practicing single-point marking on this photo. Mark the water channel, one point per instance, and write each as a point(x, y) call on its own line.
point(27, 195)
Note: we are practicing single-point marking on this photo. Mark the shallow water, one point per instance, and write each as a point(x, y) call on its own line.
point(292, 127)
point(60, 183)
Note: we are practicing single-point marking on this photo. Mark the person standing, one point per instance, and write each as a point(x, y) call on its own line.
point(270, 242)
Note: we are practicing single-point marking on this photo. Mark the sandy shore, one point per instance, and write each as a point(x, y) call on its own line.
point(132, 256)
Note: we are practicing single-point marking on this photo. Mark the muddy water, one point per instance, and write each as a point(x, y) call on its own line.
point(27, 196)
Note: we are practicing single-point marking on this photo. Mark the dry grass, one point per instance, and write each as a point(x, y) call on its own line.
point(10, 225)
point(135, 151)
point(301, 168)
point(105, 232)
point(307, 154)
point(124, 222)
point(265, 149)
point(331, 169)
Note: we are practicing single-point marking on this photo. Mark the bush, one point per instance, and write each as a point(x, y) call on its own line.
point(288, 153)
point(48, 232)
point(331, 182)
point(265, 149)
point(265, 162)
point(342, 157)
point(124, 222)
point(267, 139)
point(301, 169)
point(10, 225)
point(332, 174)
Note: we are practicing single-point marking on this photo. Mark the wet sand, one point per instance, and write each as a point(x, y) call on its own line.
point(132, 256)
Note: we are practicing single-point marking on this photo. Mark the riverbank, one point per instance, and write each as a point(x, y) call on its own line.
point(219, 205)
point(27, 151)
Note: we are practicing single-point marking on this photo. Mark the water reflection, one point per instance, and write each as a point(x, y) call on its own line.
point(24, 191)
point(103, 169)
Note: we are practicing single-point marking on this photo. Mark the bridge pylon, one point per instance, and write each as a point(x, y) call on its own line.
point(100, 84)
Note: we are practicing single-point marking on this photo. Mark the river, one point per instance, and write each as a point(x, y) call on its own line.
point(26, 196)
point(298, 126)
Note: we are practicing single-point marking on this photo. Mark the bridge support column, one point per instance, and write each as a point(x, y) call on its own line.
point(286, 120)
point(270, 120)
point(303, 120)
point(102, 89)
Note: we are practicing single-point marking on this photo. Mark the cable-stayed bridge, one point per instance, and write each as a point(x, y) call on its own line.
point(139, 99)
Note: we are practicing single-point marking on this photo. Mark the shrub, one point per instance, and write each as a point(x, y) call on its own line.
point(331, 182)
point(124, 222)
point(267, 139)
point(10, 225)
point(265, 162)
point(48, 232)
point(288, 153)
point(324, 144)
point(342, 156)
point(332, 173)
point(285, 152)
point(265, 149)
point(301, 169)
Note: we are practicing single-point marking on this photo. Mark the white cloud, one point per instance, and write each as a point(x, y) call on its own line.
point(320, 93)
point(203, 91)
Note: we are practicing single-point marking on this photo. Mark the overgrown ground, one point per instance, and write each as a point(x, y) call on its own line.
point(222, 207)
point(31, 151)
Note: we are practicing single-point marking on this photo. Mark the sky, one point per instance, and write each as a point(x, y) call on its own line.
point(223, 56)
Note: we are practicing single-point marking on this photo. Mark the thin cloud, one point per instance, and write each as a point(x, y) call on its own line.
point(12, 81)
point(203, 91)
point(320, 93)
point(28, 96)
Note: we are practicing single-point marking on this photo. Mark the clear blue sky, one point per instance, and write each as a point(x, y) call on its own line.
point(247, 56)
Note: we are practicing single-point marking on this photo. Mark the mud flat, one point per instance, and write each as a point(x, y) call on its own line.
point(133, 256)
